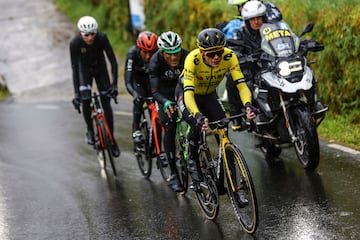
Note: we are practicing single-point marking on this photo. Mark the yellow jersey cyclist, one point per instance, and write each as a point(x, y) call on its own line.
point(204, 69)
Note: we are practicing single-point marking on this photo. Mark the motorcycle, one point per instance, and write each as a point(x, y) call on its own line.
point(284, 91)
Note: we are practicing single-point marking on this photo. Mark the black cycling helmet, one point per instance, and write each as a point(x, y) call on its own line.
point(211, 39)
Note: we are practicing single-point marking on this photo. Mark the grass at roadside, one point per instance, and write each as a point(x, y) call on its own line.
point(344, 129)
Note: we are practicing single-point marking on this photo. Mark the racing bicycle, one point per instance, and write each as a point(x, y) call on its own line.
point(103, 138)
point(151, 142)
point(240, 187)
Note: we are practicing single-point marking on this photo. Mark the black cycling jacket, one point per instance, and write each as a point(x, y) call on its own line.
point(163, 78)
point(91, 58)
point(135, 70)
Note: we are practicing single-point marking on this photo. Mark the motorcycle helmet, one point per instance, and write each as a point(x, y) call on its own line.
point(169, 42)
point(211, 39)
point(253, 9)
point(147, 41)
point(87, 24)
point(237, 2)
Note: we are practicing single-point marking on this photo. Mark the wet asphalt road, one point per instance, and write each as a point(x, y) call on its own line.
point(52, 186)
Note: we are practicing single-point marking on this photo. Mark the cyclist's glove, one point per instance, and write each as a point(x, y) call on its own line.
point(200, 120)
point(77, 102)
point(168, 104)
point(113, 91)
point(251, 108)
point(137, 100)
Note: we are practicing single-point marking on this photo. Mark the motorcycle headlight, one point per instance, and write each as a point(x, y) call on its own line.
point(286, 68)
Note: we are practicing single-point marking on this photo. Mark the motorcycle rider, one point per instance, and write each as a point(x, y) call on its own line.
point(254, 14)
point(88, 62)
point(137, 80)
point(165, 68)
point(272, 14)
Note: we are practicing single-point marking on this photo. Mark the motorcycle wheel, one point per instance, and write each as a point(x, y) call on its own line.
point(307, 143)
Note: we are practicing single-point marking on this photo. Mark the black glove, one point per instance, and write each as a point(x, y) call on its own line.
point(137, 100)
point(113, 91)
point(77, 103)
point(249, 105)
point(200, 120)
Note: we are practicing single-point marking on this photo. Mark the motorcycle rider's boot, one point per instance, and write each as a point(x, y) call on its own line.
point(318, 106)
point(319, 110)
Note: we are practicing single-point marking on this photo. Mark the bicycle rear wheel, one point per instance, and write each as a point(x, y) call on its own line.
point(164, 167)
point(207, 193)
point(181, 167)
point(241, 188)
point(181, 162)
point(143, 151)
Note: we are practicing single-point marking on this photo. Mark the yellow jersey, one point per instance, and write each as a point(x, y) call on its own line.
point(202, 79)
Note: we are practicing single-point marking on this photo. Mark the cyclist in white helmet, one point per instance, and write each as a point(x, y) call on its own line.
point(88, 62)
point(165, 68)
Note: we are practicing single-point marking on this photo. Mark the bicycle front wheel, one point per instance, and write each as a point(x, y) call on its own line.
point(108, 155)
point(241, 188)
point(143, 151)
point(207, 193)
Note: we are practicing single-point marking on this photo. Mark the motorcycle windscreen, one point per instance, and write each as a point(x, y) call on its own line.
point(278, 40)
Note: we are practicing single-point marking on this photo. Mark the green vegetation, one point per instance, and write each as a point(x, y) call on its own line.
point(336, 26)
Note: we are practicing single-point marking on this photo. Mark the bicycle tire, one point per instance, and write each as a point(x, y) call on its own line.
point(100, 146)
point(239, 185)
point(182, 168)
point(207, 194)
point(162, 159)
point(164, 167)
point(181, 163)
point(143, 152)
point(107, 147)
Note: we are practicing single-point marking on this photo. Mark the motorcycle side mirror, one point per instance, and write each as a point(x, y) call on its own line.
point(308, 28)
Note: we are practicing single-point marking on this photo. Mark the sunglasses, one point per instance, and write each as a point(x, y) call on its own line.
point(213, 54)
point(88, 34)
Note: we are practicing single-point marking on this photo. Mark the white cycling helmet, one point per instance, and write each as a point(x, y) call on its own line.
point(253, 9)
point(169, 42)
point(87, 24)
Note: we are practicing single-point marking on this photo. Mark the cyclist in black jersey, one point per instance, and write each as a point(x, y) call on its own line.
point(137, 75)
point(88, 63)
point(165, 68)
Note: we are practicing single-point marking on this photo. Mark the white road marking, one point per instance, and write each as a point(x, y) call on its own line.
point(123, 113)
point(47, 107)
point(344, 149)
